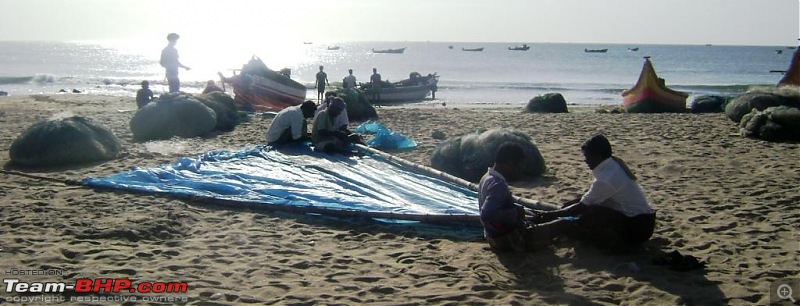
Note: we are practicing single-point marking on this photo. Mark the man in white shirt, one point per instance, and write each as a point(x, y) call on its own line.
point(170, 61)
point(350, 80)
point(342, 120)
point(615, 208)
point(290, 124)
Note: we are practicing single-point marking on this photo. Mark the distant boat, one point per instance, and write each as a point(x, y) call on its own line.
point(473, 49)
point(307, 42)
point(394, 51)
point(779, 51)
point(524, 47)
point(450, 47)
point(633, 49)
point(333, 48)
point(708, 45)
point(595, 50)
point(651, 95)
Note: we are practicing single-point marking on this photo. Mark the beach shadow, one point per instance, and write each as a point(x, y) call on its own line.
point(538, 273)
point(538, 182)
point(9, 166)
point(693, 287)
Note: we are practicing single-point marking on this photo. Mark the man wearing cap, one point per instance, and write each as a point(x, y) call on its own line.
point(615, 210)
point(169, 60)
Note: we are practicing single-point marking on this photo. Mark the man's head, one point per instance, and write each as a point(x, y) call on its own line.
point(145, 84)
point(374, 70)
point(336, 107)
point(173, 37)
point(508, 159)
point(350, 71)
point(308, 108)
point(321, 67)
point(329, 94)
point(595, 150)
point(210, 83)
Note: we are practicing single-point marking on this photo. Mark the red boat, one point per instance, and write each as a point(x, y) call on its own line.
point(650, 95)
point(260, 89)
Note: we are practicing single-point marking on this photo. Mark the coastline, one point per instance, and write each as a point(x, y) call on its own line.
point(725, 199)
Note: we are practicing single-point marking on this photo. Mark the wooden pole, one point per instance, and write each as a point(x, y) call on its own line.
point(529, 203)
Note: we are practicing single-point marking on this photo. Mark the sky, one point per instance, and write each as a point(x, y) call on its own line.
point(719, 22)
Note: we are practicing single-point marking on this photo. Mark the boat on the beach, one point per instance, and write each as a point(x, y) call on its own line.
point(472, 49)
point(524, 47)
point(792, 76)
point(258, 88)
point(633, 49)
point(651, 95)
point(391, 51)
point(414, 89)
point(333, 48)
point(595, 50)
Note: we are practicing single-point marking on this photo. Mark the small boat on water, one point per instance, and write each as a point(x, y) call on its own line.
point(651, 95)
point(473, 49)
point(333, 48)
point(260, 89)
point(524, 47)
point(633, 49)
point(392, 51)
point(595, 50)
point(450, 47)
point(307, 42)
point(779, 51)
point(414, 89)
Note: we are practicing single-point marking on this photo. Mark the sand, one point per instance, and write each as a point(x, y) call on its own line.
point(725, 199)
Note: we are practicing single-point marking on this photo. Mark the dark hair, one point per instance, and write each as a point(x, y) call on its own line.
point(330, 94)
point(173, 36)
point(308, 107)
point(509, 152)
point(597, 145)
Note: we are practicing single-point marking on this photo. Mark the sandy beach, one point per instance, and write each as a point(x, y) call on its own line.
point(730, 201)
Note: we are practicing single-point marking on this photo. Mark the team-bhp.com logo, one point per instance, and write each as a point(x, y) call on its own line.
point(98, 285)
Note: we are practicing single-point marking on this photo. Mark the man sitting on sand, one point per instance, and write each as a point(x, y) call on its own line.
point(211, 87)
point(326, 136)
point(290, 124)
point(342, 120)
point(503, 221)
point(614, 211)
point(144, 95)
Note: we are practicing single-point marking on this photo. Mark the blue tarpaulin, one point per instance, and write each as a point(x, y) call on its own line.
point(300, 177)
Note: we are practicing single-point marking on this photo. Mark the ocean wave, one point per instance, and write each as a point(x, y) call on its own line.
point(38, 79)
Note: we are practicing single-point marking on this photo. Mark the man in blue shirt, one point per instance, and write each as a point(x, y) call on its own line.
point(503, 221)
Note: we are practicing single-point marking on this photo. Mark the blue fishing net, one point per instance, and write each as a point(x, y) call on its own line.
point(298, 176)
point(384, 138)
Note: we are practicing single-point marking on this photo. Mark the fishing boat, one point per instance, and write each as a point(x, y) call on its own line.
point(779, 51)
point(333, 48)
point(414, 89)
point(524, 47)
point(633, 49)
point(595, 50)
point(392, 51)
point(792, 76)
point(651, 95)
point(450, 47)
point(260, 89)
point(472, 49)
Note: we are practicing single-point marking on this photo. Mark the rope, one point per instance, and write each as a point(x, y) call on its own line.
point(529, 203)
point(68, 182)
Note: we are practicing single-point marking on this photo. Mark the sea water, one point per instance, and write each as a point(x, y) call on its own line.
point(494, 76)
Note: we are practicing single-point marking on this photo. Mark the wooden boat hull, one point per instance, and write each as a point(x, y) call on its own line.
point(400, 94)
point(649, 95)
point(262, 94)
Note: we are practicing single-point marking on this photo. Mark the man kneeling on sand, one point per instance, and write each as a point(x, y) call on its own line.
point(504, 223)
point(290, 124)
point(614, 211)
point(326, 135)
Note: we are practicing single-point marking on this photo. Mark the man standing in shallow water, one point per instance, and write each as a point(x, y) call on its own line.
point(170, 61)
